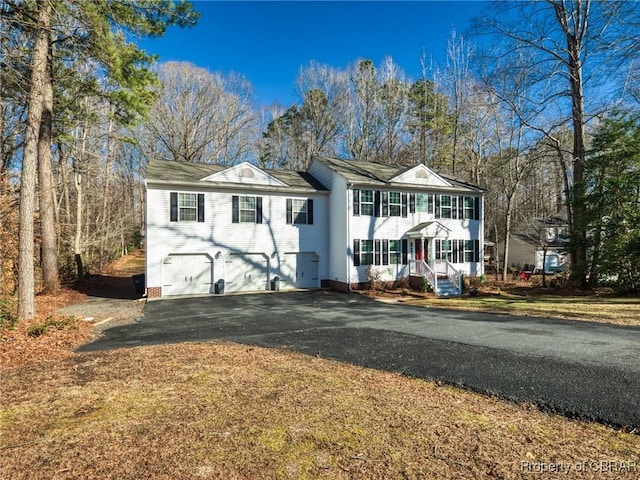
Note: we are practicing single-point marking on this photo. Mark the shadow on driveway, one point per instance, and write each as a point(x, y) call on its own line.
point(578, 369)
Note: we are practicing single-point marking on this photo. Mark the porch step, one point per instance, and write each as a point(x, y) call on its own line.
point(446, 288)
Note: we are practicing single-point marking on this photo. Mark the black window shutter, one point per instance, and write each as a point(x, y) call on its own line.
point(356, 253)
point(405, 251)
point(385, 252)
point(258, 209)
point(454, 207)
point(310, 211)
point(461, 251)
point(174, 207)
point(404, 204)
point(461, 208)
point(376, 251)
point(437, 206)
point(438, 249)
point(201, 207)
point(476, 208)
point(476, 250)
point(356, 202)
point(430, 204)
point(455, 252)
point(412, 203)
point(289, 211)
point(376, 206)
point(385, 204)
point(235, 209)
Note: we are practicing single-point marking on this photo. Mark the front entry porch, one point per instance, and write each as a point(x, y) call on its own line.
point(441, 275)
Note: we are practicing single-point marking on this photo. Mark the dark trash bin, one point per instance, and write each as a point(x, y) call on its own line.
point(219, 287)
point(139, 283)
point(275, 283)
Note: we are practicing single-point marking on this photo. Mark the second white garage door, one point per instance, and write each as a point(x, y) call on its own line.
point(300, 270)
point(246, 272)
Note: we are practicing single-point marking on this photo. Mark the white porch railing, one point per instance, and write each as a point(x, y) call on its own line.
point(422, 268)
point(454, 275)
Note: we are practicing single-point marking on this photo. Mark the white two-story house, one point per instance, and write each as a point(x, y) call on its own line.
point(212, 229)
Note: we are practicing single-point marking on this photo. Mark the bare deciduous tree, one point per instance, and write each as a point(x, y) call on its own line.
point(202, 117)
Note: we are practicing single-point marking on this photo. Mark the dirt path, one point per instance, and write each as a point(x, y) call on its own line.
point(111, 296)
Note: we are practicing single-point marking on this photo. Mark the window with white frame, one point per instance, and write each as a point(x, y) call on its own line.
point(469, 251)
point(247, 209)
point(366, 252)
point(299, 211)
point(187, 207)
point(469, 208)
point(445, 206)
point(366, 202)
point(395, 204)
point(395, 252)
point(444, 250)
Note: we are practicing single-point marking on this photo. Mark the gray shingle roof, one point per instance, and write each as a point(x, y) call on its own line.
point(169, 171)
point(379, 173)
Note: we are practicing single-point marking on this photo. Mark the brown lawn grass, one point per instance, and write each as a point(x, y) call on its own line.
point(216, 410)
point(192, 411)
point(527, 298)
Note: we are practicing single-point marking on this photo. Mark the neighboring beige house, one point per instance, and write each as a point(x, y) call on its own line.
point(529, 241)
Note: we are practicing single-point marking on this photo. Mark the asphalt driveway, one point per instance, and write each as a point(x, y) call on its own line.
point(579, 369)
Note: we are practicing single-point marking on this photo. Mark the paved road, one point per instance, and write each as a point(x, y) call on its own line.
point(579, 369)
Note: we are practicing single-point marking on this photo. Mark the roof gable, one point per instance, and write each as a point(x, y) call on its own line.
point(245, 173)
point(421, 175)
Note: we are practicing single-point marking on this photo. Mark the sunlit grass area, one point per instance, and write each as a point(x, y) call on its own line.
point(615, 310)
point(191, 411)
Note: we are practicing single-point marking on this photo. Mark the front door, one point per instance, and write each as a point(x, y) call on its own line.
point(418, 249)
point(422, 249)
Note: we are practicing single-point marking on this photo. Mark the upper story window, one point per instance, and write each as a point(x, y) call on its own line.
point(365, 198)
point(456, 207)
point(382, 203)
point(445, 206)
point(395, 204)
point(186, 207)
point(422, 200)
point(246, 209)
point(469, 208)
point(299, 211)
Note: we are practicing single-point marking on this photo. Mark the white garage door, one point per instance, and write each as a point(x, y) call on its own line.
point(187, 275)
point(300, 270)
point(246, 272)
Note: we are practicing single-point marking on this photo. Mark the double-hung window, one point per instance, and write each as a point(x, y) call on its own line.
point(469, 251)
point(469, 208)
point(366, 202)
point(366, 252)
point(444, 250)
point(299, 211)
point(395, 204)
point(246, 209)
point(445, 206)
point(186, 207)
point(395, 252)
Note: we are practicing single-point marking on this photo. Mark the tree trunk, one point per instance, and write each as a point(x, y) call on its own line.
point(26, 284)
point(77, 244)
point(49, 248)
point(507, 236)
point(574, 25)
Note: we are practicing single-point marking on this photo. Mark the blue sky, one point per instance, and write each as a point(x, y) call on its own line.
point(268, 42)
